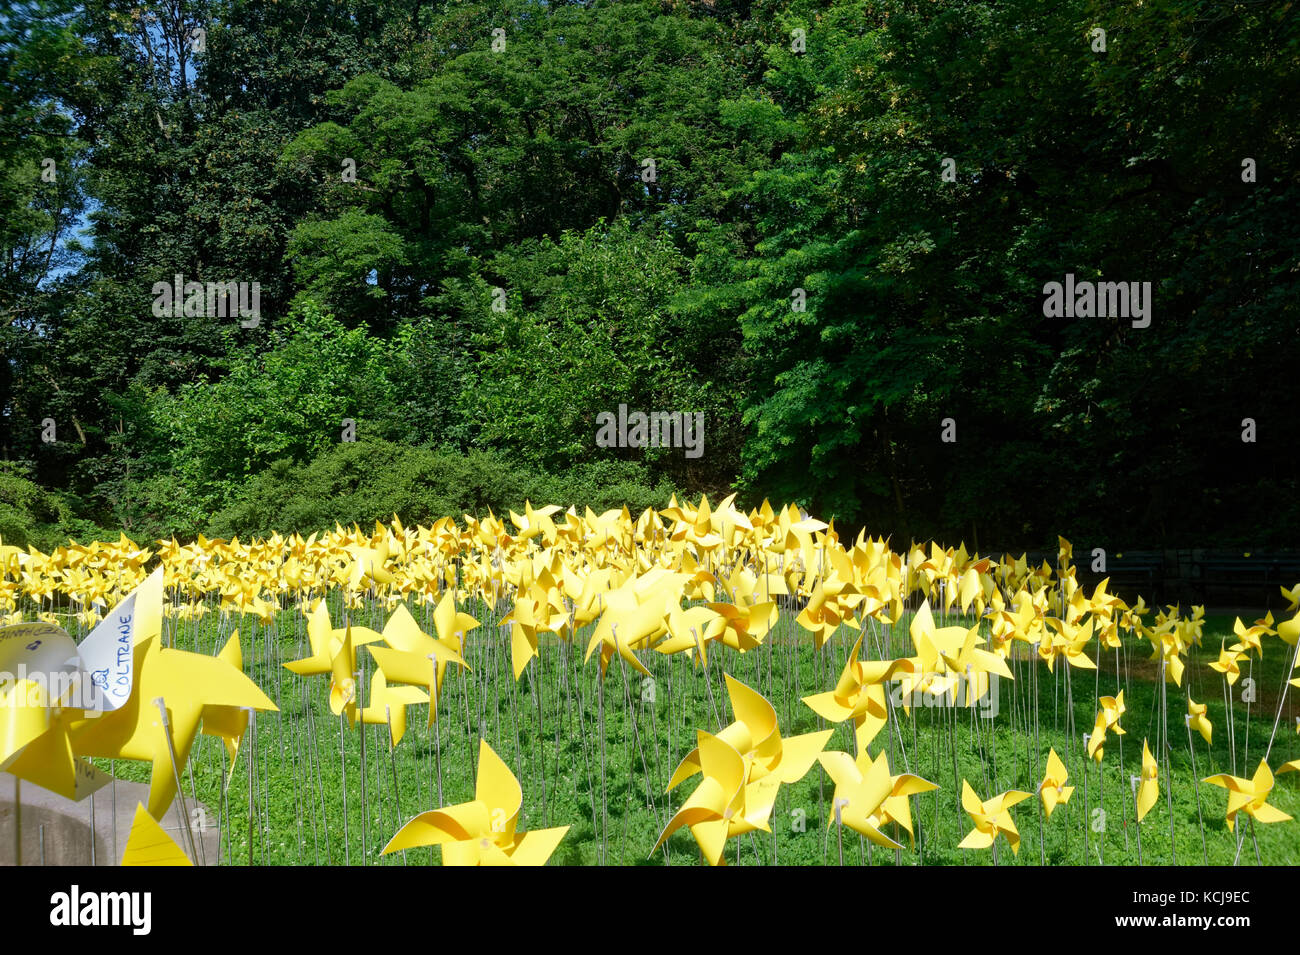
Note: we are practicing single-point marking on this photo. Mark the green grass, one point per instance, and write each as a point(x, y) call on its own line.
point(555, 753)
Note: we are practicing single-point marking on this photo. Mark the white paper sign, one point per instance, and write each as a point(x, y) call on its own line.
point(43, 654)
point(96, 677)
point(89, 779)
point(108, 658)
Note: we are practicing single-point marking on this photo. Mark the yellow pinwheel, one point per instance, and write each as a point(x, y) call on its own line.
point(534, 522)
point(1068, 642)
point(1168, 644)
point(690, 632)
point(1064, 552)
point(67, 686)
point(540, 611)
point(976, 667)
point(859, 695)
point(1250, 638)
point(450, 624)
point(34, 723)
point(1251, 795)
point(1198, 719)
point(327, 643)
point(864, 792)
point(831, 603)
point(1149, 786)
point(627, 622)
point(483, 831)
point(406, 659)
point(367, 565)
point(1052, 790)
point(1227, 664)
point(149, 845)
point(897, 806)
point(726, 802)
point(743, 627)
point(1112, 708)
point(756, 736)
point(937, 648)
point(991, 817)
point(388, 705)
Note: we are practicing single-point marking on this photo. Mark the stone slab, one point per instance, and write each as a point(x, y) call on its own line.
point(57, 831)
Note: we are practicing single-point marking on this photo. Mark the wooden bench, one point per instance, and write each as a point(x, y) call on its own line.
point(1132, 573)
point(1238, 579)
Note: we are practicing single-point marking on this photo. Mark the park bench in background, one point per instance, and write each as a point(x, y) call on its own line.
point(1216, 579)
point(1132, 573)
point(1226, 578)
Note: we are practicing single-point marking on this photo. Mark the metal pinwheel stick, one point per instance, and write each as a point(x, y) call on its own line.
point(598, 571)
point(176, 774)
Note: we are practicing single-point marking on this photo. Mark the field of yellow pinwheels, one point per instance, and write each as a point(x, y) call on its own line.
point(697, 684)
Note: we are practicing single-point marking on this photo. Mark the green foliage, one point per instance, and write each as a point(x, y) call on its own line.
point(924, 295)
point(525, 169)
point(290, 401)
point(598, 306)
point(338, 253)
point(372, 480)
point(31, 516)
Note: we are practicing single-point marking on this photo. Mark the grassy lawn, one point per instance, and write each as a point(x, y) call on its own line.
point(546, 728)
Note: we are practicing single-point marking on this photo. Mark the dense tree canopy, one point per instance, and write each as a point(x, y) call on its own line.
point(826, 224)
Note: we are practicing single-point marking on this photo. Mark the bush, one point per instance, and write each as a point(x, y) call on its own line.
point(31, 516)
point(603, 485)
point(372, 480)
point(287, 402)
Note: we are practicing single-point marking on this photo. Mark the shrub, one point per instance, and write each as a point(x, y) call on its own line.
point(372, 480)
point(31, 516)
